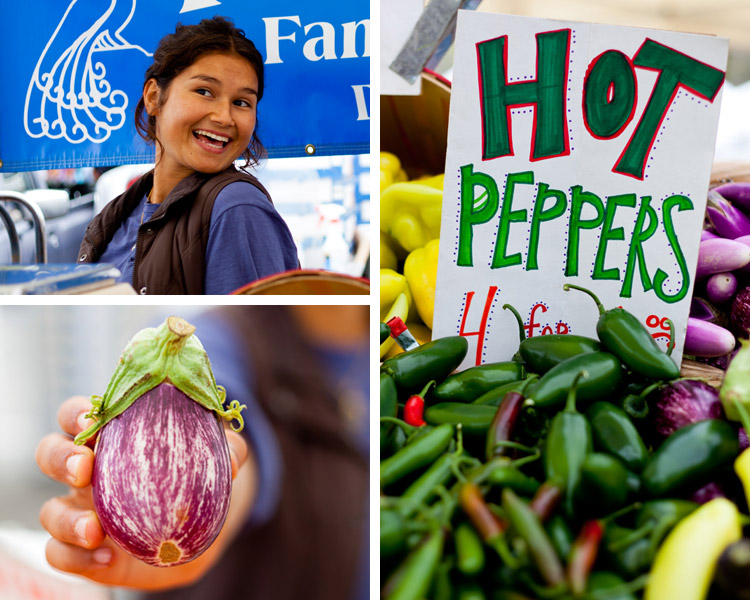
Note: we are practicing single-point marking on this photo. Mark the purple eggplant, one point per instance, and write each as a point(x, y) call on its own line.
point(738, 193)
point(720, 256)
point(739, 314)
point(721, 287)
point(162, 477)
point(683, 402)
point(728, 221)
point(707, 340)
point(707, 234)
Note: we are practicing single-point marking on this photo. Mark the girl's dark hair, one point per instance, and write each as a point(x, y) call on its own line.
point(178, 50)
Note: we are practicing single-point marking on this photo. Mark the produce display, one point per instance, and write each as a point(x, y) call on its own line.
point(582, 468)
point(162, 475)
point(720, 311)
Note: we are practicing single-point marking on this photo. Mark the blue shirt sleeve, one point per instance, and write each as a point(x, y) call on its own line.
point(247, 240)
point(233, 370)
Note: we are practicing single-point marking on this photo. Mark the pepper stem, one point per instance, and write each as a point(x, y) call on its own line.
point(671, 344)
point(744, 414)
point(569, 286)
point(570, 404)
point(521, 328)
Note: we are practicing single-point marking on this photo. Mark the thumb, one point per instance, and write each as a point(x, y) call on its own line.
point(238, 450)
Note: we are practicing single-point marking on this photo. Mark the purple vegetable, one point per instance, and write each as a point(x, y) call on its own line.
point(720, 256)
point(743, 439)
point(163, 477)
point(707, 234)
point(683, 402)
point(738, 193)
point(721, 287)
point(708, 492)
point(703, 310)
point(728, 221)
point(739, 314)
point(706, 339)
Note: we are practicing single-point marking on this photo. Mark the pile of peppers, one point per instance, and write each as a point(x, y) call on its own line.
point(410, 212)
point(539, 478)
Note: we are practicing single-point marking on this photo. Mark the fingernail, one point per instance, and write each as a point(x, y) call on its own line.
point(82, 422)
point(72, 466)
point(103, 556)
point(80, 529)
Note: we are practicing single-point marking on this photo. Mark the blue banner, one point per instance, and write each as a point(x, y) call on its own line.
point(73, 73)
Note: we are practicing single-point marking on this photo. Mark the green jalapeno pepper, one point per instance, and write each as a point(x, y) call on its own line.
point(420, 452)
point(475, 419)
point(442, 587)
point(495, 396)
point(513, 478)
point(388, 408)
point(623, 334)
point(471, 383)
point(393, 533)
point(413, 578)
point(604, 484)
point(542, 352)
point(527, 524)
point(614, 433)
point(568, 442)
point(656, 518)
point(385, 332)
point(434, 360)
point(605, 585)
point(469, 549)
point(560, 535)
point(629, 559)
point(603, 375)
point(470, 590)
point(690, 457)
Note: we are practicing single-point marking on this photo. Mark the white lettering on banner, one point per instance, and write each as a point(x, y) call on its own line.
point(273, 37)
point(69, 95)
point(311, 50)
point(191, 5)
point(328, 39)
point(350, 38)
point(363, 114)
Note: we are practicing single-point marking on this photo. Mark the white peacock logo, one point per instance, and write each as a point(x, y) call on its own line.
point(69, 95)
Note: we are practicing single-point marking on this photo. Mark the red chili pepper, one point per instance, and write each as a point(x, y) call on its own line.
point(546, 499)
point(504, 421)
point(414, 407)
point(583, 555)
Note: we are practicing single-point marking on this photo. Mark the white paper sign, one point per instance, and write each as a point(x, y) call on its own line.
point(577, 153)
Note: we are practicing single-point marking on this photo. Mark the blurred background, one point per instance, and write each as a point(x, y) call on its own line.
point(47, 354)
point(325, 201)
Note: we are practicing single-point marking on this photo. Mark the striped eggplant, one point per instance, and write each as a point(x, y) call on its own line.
point(162, 475)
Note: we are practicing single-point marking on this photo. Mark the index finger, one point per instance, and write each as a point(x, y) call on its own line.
point(71, 415)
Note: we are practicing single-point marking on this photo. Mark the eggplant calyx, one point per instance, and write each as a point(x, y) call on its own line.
point(168, 353)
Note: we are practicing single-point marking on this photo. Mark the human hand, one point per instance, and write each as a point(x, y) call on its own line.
point(79, 544)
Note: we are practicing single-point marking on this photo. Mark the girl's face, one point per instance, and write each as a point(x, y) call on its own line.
point(208, 117)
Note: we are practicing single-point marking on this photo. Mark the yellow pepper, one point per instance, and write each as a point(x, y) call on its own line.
point(391, 285)
point(410, 211)
point(388, 258)
point(684, 565)
point(420, 270)
point(400, 309)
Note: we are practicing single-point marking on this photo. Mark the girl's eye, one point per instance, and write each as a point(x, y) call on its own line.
point(203, 92)
point(243, 103)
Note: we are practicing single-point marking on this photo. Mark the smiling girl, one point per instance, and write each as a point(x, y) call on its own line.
point(195, 224)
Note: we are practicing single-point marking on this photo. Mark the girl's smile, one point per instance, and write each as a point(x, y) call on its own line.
point(204, 119)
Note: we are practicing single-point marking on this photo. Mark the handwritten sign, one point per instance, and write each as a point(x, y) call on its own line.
point(577, 153)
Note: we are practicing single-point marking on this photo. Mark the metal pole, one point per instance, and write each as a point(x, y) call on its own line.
point(40, 226)
point(15, 245)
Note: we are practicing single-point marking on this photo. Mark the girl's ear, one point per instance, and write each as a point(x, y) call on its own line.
point(151, 97)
